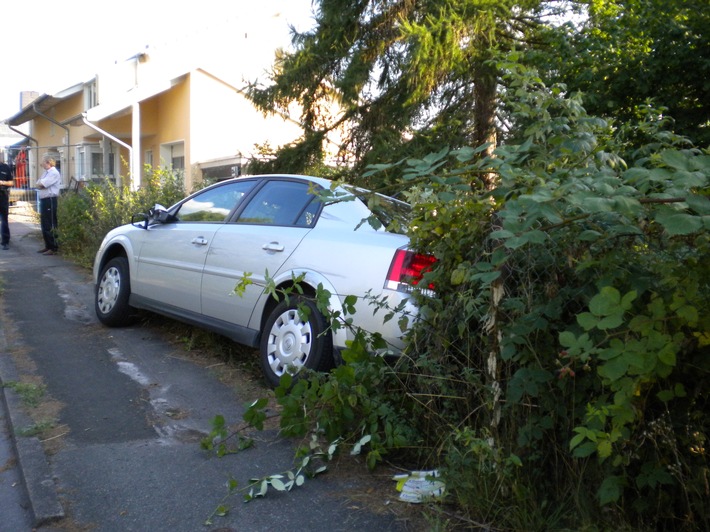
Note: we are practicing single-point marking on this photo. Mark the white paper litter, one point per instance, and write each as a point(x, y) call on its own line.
point(419, 486)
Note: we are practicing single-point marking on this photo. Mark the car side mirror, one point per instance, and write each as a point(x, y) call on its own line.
point(140, 220)
point(160, 214)
point(157, 214)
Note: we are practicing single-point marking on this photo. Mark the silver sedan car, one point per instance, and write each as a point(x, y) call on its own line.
point(252, 232)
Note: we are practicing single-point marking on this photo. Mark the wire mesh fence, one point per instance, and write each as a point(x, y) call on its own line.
point(24, 202)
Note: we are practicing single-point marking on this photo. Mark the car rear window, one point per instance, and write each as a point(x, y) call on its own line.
point(285, 203)
point(393, 214)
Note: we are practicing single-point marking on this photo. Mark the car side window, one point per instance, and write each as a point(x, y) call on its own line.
point(287, 203)
point(215, 204)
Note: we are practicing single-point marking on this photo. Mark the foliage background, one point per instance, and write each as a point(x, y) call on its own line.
point(86, 216)
point(558, 378)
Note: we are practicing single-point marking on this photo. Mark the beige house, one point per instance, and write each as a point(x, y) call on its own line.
point(154, 108)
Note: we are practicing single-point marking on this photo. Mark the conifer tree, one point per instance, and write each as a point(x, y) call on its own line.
point(408, 77)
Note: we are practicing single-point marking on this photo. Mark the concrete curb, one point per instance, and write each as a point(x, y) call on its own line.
point(32, 461)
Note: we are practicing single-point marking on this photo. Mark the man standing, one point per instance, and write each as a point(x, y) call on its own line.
point(48, 186)
point(5, 184)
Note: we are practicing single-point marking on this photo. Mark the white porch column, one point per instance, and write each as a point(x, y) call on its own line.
point(135, 161)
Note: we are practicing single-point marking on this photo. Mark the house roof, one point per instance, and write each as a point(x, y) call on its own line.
point(167, 75)
point(123, 102)
point(166, 67)
point(42, 104)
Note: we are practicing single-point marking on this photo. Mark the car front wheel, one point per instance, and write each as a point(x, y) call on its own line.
point(295, 336)
point(112, 291)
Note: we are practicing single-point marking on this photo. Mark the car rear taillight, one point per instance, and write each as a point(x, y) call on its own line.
point(407, 270)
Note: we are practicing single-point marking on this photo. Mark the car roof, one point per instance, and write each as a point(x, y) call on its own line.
point(326, 183)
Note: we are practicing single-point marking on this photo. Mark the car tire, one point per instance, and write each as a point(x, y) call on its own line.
point(290, 342)
point(112, 291)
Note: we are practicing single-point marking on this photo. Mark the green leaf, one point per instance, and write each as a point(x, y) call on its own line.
point(357, 448)
point(486, 278)
point(589, 235)
point(593, 204)
point(332, 448)
point(628, 298)
point(606, 302)
point(675, 159)
point(688, 180)
point(614, 369)
point(610, 490)
point(536, 237)
point(584, 450)
point(567, 339)
point(587, 321)
point(680, 223)
point(501, 234)
point(516, 242)
point(218, 422)
point(689, 313)
point(259, 403)
point(574, 442)
point(627, 206)
point(636, 174)
point(604, 449)
point(660, 174)
point(700, 204)
point(458, 276)
point(667, 355)
point(610, 322)
point(665, 395)
point(263, 488)
point(278, 484)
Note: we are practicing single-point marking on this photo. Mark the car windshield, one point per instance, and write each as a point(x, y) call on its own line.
point(393, 214)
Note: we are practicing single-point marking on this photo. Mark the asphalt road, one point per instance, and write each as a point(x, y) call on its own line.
point(129, 410)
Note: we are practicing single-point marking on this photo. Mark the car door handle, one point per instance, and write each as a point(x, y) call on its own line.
point(200, 241)
point(272, 246)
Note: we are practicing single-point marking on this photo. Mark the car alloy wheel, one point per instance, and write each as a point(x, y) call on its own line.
point(112, 292)
point(295, 336)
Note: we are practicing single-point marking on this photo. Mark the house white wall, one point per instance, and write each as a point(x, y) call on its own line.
point(223, 122)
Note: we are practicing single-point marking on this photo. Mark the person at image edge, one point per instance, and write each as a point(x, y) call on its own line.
point(5, 184)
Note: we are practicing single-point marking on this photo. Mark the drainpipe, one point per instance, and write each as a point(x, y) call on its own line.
point(31, 139)
point(118, 141)
point(65, 128)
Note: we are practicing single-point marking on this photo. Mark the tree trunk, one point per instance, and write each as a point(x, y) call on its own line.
point(485, 84)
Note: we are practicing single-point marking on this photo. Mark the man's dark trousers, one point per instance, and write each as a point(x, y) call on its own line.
point(4, 214)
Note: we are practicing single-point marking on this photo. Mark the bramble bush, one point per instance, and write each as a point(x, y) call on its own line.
point(85, 216)
point(559, 377)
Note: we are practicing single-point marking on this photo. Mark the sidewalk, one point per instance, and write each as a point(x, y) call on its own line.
point(32, 465)
point(24, 222)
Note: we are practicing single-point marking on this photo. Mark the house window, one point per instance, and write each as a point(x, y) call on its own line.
point(97, 164)
point(174, 155)
point(90, 162)
point(80, 163)
point(91, 95)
